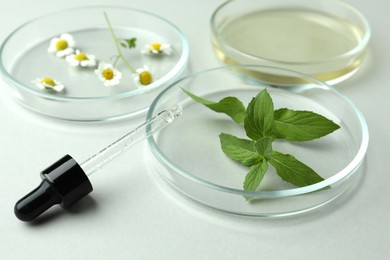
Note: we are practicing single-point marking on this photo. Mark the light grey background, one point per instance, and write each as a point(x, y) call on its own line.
point(133, 214)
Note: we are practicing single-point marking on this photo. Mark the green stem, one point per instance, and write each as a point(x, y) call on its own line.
point(120, 54)
point(117, 57)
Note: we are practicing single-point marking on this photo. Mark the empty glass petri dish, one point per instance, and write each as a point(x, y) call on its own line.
point(188, 155)
point(326, 39)
point(24, 57)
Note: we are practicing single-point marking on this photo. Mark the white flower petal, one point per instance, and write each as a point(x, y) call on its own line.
point(65, 52)
point(167, 49)
point(136, 76)
point(108, 82)
point(62, 53)
point(58, 86)
point(164, 48)
point(69, 38)
point(73, 61)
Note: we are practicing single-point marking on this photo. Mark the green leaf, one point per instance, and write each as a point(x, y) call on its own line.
point(131, 43)
point(240, 150)
point(259, 120)
point(293, 171)
point(230, 106)
point(128, 43)
point(255, 176)
point(264, 147)
point(293, 125)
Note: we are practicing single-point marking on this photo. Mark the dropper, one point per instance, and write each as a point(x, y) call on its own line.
point(65, 182)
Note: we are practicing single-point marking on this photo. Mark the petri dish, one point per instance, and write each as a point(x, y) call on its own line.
point(326, 39)
point(24, 57)
point(187, 154)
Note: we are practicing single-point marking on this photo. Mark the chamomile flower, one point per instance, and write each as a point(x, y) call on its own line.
point(108, 74)
point(157, 48)
point(62, 46)
point(143, 76)
point(81, 59)
point(48, 83)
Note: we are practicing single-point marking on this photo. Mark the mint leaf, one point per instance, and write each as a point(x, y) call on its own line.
point(293, 171)
point(264, 147)
point(259, 120)
point(255, 176)
point(230, 106)
point(241, 150)
point(294, 125)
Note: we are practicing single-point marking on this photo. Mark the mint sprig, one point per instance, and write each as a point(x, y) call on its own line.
point(263, 125)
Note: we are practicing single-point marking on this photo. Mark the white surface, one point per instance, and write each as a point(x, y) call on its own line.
point(132, 214)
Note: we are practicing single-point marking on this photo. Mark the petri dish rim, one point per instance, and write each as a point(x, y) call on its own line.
point(362, 45)
point(177, 69)
point(339, 177)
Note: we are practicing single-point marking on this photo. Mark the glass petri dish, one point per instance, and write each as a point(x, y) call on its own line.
point(187, 154)
point(24, 57)
point(326, 39)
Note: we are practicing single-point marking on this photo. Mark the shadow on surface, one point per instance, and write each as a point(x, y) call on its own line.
point(84, 206)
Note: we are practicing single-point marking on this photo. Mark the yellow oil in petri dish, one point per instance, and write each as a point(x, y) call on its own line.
point(326, 45)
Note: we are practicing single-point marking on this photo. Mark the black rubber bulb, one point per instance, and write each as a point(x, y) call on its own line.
point(64, 183)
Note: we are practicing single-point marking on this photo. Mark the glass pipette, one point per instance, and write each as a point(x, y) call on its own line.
point(65, 182)
point(108, 154)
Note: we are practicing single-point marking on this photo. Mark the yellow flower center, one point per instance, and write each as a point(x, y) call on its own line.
point(156, 46)
point(48, 81)
point(81, 56)
point(108, 74)
point(61, 45)
point(145, 78)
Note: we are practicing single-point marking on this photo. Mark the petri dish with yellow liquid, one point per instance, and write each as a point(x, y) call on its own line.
point(326, 39)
